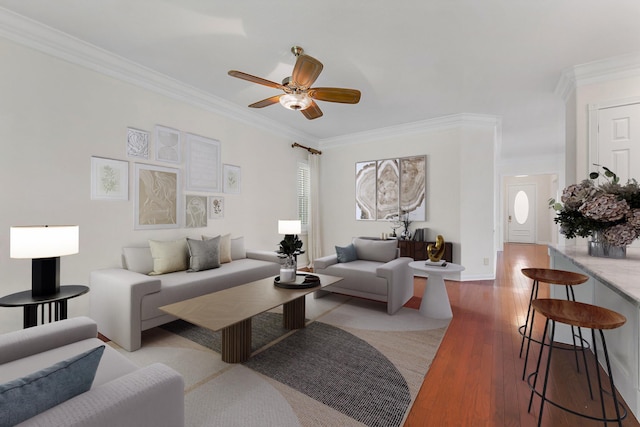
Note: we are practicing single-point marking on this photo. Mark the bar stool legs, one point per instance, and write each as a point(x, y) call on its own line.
point(579, 315)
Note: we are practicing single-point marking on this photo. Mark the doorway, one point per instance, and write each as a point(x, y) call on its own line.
point(521, 209)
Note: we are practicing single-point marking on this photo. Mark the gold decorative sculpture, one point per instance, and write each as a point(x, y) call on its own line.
point(435, 252)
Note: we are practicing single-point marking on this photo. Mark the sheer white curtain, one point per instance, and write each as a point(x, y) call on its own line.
point(313, 230)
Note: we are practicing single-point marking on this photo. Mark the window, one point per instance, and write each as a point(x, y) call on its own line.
point(304, 189)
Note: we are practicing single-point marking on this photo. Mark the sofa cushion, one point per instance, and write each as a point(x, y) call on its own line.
point(225, 249)
point(168, 256)
point(346, 253)
point(203, 254)
point(359, 276)
point(137, 259)
point(238, 250)
point(376, 250)
point(28, 396)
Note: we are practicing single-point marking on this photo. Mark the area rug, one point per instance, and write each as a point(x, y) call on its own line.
point(353, 365)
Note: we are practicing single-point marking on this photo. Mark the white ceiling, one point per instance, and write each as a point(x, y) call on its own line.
point(412, 60)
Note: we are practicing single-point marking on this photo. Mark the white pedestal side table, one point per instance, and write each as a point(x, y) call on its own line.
point(435, 301)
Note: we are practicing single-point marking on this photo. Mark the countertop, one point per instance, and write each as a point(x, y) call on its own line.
point(621, 275)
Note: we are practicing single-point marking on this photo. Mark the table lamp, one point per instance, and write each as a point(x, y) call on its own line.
point(44, 244)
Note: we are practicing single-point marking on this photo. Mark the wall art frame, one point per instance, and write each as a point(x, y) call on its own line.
point(158, 202)
point(137, 143)
point(232, 179)
point(203, 164)
point(387, 189)
point(168, 146)
point(195, 211)
point(109, 179)
point(216, 207)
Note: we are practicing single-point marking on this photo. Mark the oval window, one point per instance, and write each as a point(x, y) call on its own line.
point(521, 207)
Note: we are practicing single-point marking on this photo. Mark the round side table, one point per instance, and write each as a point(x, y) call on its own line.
point(56, 303)
point(435, 301)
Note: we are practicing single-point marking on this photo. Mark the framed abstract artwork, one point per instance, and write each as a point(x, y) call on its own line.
point(157, 197)
point(167, 145)
point(391, 188)
point(216, 207)
point(137, 143)
point(203, 164)
point(195, 211)
point(232, 179)
point(109, 179)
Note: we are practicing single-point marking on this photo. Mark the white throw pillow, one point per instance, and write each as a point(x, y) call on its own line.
point(237, 248)
point(168, 256)
point(137, 259)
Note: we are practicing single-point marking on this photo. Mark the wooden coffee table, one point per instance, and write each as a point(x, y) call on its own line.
point(231, 310)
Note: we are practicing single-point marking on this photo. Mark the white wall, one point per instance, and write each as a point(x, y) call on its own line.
point(55, 115)
point(460, 193)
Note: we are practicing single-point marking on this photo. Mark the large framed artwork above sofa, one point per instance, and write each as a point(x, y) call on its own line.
point(390, 188)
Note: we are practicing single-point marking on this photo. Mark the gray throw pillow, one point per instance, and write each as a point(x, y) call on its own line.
point(203, 254)
point(28, 396)
point(347, 253)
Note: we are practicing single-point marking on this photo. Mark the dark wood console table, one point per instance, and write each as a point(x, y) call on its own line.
point(418, 250)
point(56, 303)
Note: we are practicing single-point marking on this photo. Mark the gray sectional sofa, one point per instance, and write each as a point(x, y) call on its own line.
point(370, 269)
point(121, 393)
point(125, 301)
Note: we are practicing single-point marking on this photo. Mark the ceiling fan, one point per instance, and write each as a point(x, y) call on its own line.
point(298, 93)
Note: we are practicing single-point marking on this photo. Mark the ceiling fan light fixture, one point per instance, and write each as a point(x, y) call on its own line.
point(295, 101)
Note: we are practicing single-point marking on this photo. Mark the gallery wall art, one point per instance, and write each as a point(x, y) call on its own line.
point(157, 201)
point(195, 211)
point(216, 207)
point(137, 143)
point(388, 188)
point(231, 176)
point(203, 164)
point(167, 144)
point(109, 179)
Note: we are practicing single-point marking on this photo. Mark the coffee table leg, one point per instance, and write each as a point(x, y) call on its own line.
point(236, 342)
point(294, 313)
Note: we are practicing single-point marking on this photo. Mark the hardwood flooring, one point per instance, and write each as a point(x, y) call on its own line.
point(476, 378)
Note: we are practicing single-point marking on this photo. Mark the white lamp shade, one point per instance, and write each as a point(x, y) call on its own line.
point(289, 226)
point(44, 241)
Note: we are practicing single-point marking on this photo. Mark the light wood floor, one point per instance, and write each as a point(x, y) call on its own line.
point(475, 379)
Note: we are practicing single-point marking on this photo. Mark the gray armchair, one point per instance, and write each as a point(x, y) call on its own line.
point(370, 269)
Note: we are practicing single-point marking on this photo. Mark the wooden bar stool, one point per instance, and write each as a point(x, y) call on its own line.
point(553, 277)
point(580, 315)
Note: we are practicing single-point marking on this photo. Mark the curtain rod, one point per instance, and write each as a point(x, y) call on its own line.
point(309, 149)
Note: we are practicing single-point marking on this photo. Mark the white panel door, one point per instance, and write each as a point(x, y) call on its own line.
point(619, 141)
point(521, 218)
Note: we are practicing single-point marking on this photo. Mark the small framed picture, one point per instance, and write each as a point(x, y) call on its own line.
point(167, 145)
point(137, 143)
point(231, 179)
point(109, 179)
point(195, 211)
point(216, 207)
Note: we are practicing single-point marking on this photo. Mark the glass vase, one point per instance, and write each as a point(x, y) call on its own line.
point(598, 247)
point(288, 269)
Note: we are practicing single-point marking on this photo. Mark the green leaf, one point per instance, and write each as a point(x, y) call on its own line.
point(594, 175)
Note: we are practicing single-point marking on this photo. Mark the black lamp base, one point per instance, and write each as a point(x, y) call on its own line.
point(45, 277)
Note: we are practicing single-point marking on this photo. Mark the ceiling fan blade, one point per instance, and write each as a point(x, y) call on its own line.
point(335, 94)
point(306, 71)
point(266, 102)
point(312, 111)
point(254, 79)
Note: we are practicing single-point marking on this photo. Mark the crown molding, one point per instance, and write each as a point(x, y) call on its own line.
point(438, 123)
point(604, 70)
point(50, 41)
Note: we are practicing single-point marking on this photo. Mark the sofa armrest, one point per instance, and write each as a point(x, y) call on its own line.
point(399, 281)
point(18, 344)
point(262, 255)
point(324, 262)
point(149, 396)
point(116, 300)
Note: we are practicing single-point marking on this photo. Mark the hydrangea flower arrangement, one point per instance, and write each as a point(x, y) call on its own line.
point(609, 210)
